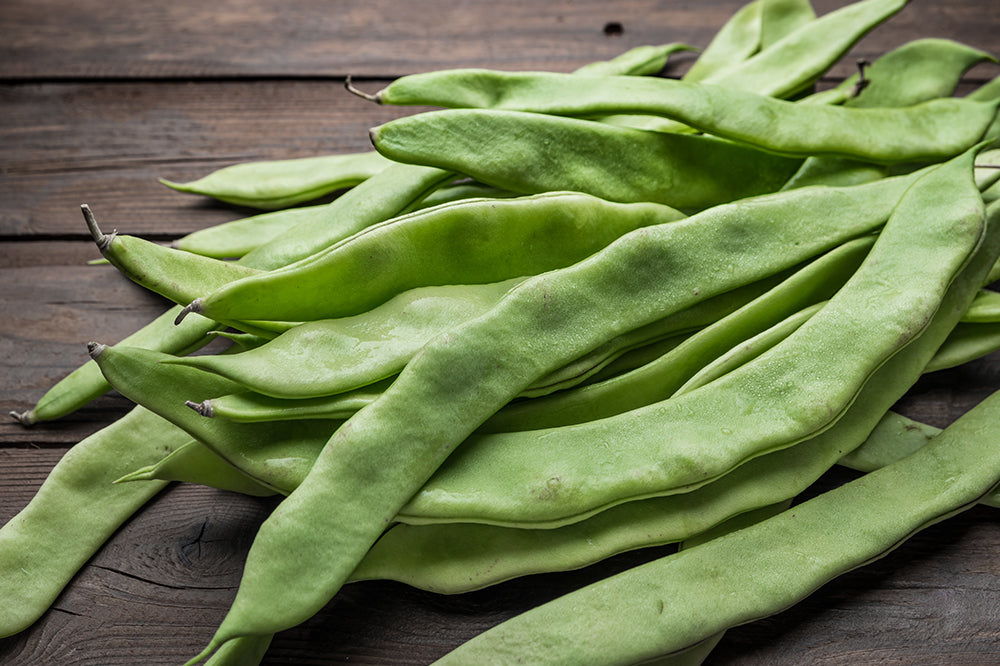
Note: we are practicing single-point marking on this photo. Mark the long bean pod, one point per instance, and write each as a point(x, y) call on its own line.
point(274, 184)
point(677, 601)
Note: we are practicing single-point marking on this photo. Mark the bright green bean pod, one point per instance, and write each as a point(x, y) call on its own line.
point(167, 272)
point(330, 356)
point(660, 378)
point(798, 59)
point(194, 462)
point(638, 61)
point(679, 600)
point(459, 379)
point(930, 131)
point(275, 184)
point(737, 39)
point(531, 153)
point(750, 349)
point(469, 242)
point(232, 240)
point(75, 511)
point(140, 376)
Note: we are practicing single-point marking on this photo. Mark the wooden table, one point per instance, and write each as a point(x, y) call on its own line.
point(99, 99)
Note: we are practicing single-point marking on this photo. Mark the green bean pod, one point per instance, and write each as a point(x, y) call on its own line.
point(531, 153)
point(331, 356)
point(637, 61)
point(470, 242)
point(165, 389)
point(75, 511)
point(194, 462)
point(661, 377)
point(232, 240)
point(930, 131)
point(275, 184)
point(682, 599)
point(798, 59)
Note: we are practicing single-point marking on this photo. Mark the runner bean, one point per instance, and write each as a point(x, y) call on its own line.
point(140, 376)
point(659, 379)
point(326, 357)
point(682, 599)
point(468, 242)
point(75, 511)
point(232, 240)
point(275, 184)
point(531, 153)
point(930, 131)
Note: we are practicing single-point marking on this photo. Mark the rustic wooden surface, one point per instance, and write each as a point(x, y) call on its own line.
point(98, 99)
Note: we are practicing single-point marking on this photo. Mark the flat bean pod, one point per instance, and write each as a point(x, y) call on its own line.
point(679, 600)
point(194, 462)
point(232, 240)
point(75, 511)
point(326, 357)
point(929, 131)
point(660, 378)
point(275, 184)
point(460, 378)
point(164, 389)
point(469, 242)
point(531, 153)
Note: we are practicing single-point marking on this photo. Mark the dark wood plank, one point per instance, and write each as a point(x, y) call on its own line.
point(188, 39)
point(107, 144)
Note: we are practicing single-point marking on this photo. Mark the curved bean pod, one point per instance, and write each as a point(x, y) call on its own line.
point(679, 600)
point(194, 462)
point(139, 375)
point(232, 240)
point(660, 378)
point(468, 242)
point(75, 511)
point(274, 184)
point(929, 131)
point(326, 357)
point(531, 153)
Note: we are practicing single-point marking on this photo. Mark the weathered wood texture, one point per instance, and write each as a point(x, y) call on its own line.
point(52, 39)
point(98, 99)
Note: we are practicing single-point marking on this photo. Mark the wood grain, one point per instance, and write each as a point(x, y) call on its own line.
point(381, 38)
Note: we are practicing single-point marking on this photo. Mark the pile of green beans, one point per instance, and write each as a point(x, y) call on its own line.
point(567, 316)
